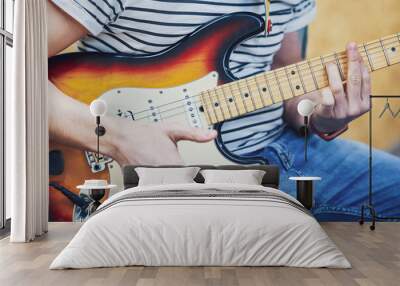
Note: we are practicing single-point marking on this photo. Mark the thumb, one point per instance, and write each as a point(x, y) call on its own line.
point(177, 133)
point(325, 102)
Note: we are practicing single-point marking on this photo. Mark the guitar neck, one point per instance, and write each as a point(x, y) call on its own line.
point(237, 98)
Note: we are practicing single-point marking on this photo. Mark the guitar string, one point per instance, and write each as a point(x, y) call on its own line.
point(379, 47)
point(253, 85)
point(224, 102)
point(367, 55)
point(208, 104)
point(309, 69)
point(222, 114)
point(280, 70)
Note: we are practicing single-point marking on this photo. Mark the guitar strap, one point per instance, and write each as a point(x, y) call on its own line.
point(268, 22)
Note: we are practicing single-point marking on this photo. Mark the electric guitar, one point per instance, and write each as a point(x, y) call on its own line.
point(190, 83)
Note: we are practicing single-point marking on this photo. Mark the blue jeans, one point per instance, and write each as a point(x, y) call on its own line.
point(343, 167)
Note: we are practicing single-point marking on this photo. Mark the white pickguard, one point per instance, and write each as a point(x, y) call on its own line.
point(177, 104)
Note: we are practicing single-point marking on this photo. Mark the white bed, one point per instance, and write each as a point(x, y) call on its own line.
point(201, 224)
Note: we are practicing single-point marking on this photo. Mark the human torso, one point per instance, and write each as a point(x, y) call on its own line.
point(147, 27)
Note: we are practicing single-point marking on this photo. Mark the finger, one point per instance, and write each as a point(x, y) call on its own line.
point(336, 86)
point(178, 133)
point(353, 77)
point(326, 103)
point(365, 87)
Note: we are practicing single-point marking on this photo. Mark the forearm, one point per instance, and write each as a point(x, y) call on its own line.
point(74, 125)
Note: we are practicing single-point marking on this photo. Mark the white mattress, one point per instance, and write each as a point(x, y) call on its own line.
point(208, 230)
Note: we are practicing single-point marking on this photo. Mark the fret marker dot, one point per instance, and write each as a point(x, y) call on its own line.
point(246, 95)
point(216, 104)
point(293, 72)
point(297, 87)
point(230, 99)
point(393, 49)
point(264, 89)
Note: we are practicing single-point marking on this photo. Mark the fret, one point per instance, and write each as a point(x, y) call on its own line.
point(215, 105)
point(301, 78)
point(209, 106)
point(391, 49)
point(231, 102)
point(254, 92)
point(204, 109)
point(307, 76)
point(377, 55)
point(368, 57)
point(261, 93)
point(268, 87)
point(223, 103)
point(384, 52)
point(313, 74)
point(237, 98)
point(275, 87)
point(250, 94)
point(339, 66)
point(294, 80)
point(321, 58)
point(279, 85)
point(290, 82)
point(245, 98)
point(288, 91)
point(396, 49)
point(319, 72)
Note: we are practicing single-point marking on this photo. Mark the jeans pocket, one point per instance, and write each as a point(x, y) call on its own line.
point(280, 154)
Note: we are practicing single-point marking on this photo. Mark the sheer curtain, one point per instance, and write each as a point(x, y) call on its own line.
point(26, 124)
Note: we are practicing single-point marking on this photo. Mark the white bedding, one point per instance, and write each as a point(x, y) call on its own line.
point(184, 230)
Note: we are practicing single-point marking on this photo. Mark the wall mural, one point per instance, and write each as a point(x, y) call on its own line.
point(178, 86)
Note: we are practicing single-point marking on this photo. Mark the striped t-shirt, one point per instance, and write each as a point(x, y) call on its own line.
point(142, 27)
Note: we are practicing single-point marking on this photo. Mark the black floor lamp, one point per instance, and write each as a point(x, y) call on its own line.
point(98, 108)
point(369, 205)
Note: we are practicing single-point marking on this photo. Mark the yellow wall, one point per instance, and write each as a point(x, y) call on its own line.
point(340, 21)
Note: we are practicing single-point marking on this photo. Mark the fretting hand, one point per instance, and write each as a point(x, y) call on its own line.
point(339, 104)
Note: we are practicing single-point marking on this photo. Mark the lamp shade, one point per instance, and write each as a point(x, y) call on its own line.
point(98, 107)
point(305, 107)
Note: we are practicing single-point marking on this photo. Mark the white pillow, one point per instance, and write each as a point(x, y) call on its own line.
point(247, 177)
point(163, 176)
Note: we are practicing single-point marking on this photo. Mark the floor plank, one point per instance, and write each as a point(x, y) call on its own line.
point(375, 257)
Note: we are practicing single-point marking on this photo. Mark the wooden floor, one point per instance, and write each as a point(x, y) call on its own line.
point(375, 257)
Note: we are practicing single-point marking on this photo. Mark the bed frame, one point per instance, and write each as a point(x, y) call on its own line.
point(270, 179)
